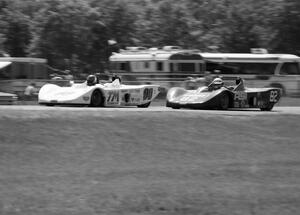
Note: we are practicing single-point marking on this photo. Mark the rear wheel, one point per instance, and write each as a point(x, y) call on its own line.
point(96, 99)
point(144, 105)
point(224, 101)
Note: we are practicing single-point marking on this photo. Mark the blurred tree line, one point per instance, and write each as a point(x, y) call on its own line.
point(79, 34)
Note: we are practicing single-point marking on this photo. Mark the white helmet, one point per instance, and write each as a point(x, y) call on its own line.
point(217, 83)
point(91, 80)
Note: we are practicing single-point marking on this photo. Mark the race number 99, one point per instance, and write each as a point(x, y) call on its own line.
point(273, 96)
point(148, 92)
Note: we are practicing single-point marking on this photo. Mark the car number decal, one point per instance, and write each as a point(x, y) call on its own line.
point(148, 92)
point(112, 97)
point(273, 96)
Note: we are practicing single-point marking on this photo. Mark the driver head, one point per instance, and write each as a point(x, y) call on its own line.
point(217, 83)
point(91, 80)
point(238, 80)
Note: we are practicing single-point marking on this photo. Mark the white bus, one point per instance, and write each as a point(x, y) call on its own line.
point(168, 59)
point(173, 64)
point(167, 67)
point(258, 69)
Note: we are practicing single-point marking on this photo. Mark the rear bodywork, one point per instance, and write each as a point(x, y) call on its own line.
point(263, 98)
point(112, 94)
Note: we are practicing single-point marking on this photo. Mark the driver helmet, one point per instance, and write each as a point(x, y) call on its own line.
point(238, 80)
point(114, 77)
point(217, 83)
point(91, 80)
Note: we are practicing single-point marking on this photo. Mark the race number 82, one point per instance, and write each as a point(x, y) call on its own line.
point(273, 95)
point(148, 92)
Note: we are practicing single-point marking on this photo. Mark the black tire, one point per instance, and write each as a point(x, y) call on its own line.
point(224, 102)
point(267, 108)
point(97, 99)
point(144, 105)
point(168, 104)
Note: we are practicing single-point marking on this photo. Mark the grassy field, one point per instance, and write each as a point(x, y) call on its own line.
point(62, 162)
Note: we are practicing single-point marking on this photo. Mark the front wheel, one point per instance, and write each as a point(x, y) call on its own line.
point(96, 99)
point(144, 105)
point(267, 108)
point(168, 104)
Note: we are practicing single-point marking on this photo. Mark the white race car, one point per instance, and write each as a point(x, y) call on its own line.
point(8, 98)
point(95, 94)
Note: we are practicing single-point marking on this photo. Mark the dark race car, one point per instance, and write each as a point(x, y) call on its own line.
point(218, 96)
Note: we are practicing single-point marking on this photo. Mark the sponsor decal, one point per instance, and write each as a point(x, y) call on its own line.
point(202, 95)
point(236, 104)
point(240, 104)
point(240, 95)
point(261, 103)
point(64, 93)
point(192, 98)
point(85, 98)
point(240, 99)
point(135, 100)
point(243, 104)
point(254, 101)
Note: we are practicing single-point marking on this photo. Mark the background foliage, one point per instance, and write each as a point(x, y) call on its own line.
point(74, 34)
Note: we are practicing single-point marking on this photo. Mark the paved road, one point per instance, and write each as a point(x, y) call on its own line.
point(276, 110)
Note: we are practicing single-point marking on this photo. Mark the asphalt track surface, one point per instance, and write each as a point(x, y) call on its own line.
point(160, 109)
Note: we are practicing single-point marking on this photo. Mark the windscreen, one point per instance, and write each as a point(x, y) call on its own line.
point(242, 68)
